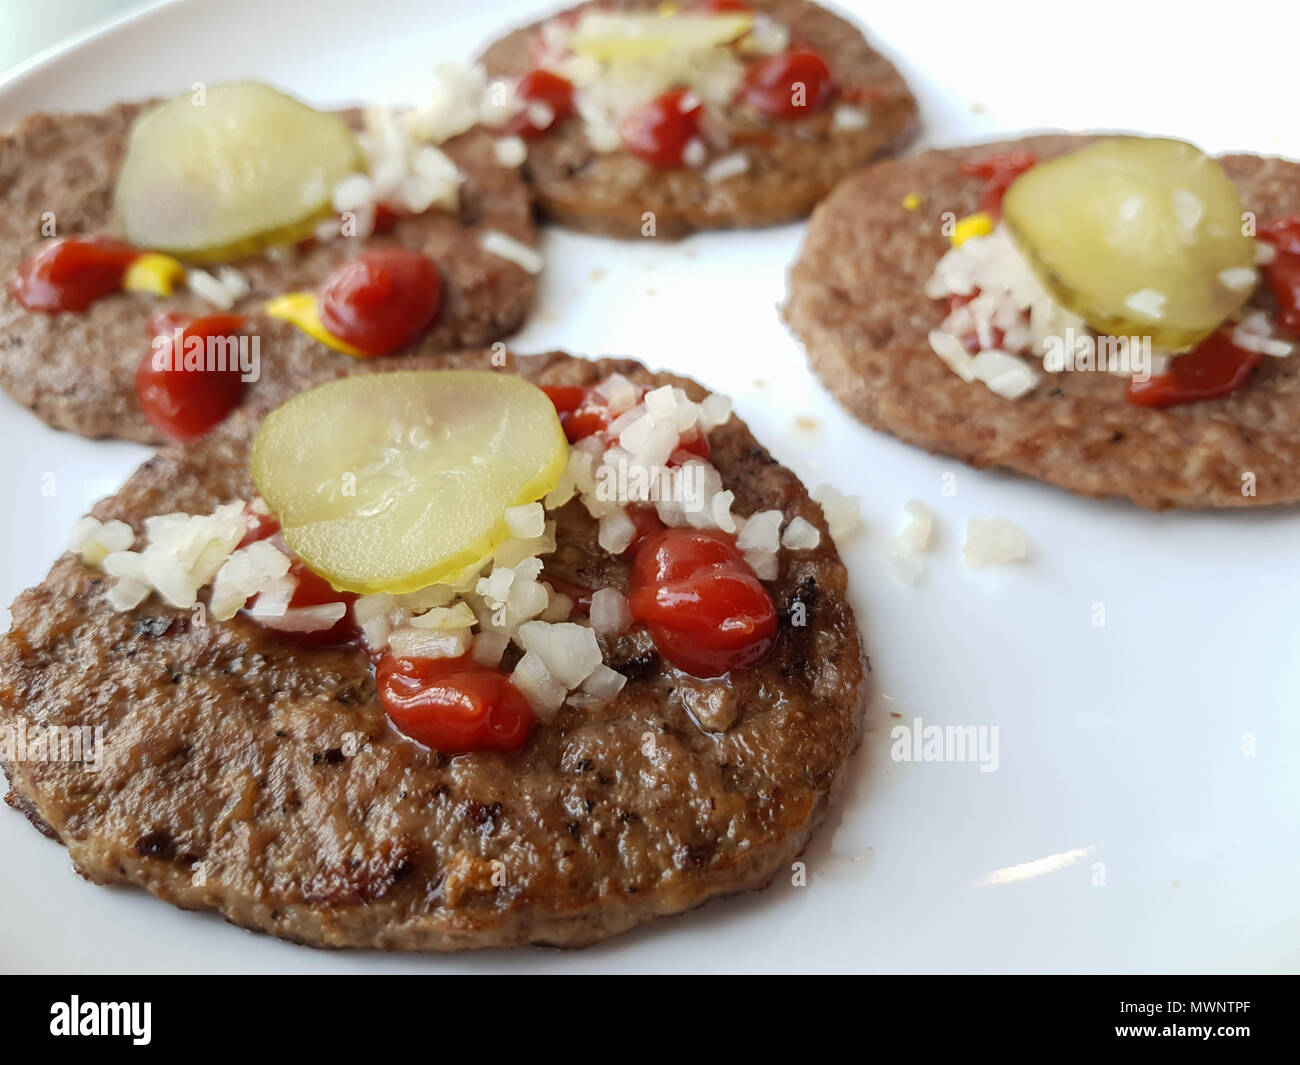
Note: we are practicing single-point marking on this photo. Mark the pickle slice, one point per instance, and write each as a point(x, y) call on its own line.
point(1139, 236)
point(246, 167)
point(389, 482)
point(617, 37)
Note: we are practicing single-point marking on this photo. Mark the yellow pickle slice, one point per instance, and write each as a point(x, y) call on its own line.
point(222, 174)
point(1139, 236)
point(394, 481)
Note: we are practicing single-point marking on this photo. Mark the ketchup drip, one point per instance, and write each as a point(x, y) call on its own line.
point(706, 610)
point(1282, 275)
point(1214, 368)
point(382, 301)
point(548, 89)
point(453, 705)
point(180, 384)
point(657, 133)
point(789, 85)
point(71, 274)
point(997, 173)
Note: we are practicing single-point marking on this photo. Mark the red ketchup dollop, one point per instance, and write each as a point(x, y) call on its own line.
point(1214, 368)
point(789, 85)
point(997, 173)
point(181, 389)
point(583, 411)
point(71, 274)
point(1282, 275)
point(453, 705)
point(548, 89)
point(722, 7)
point(380, 302)
point(706, 610)
point(658, 132)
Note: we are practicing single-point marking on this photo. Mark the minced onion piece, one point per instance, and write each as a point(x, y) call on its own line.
point(727, 166)
point(800, 535)
point(994, 541)
point(843, 513)
point(616, 531)
point(273, 598)
point(429, 643)
point(918, 532)
point(445, 618)
point(846, 117)
point(544, 693)
point(569, 651)
point(488, 647)
point(559, 608)
point(527, 521)
point(307, 618)
point(506, 247)
point(762, 532)
point(209, 289)
point(618, 393)
point(510, 151)
point(248, 571)
point(610, 613)
point(127, 594)
point(94, 540)
point(604, 683)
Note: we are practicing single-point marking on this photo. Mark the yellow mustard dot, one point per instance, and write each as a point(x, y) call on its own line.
point(153, 272)
point(911, 201)
point(299, 309)
point(668, 9)
point(979, 224)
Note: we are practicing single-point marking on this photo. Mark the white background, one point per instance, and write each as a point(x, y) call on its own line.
point(1121, 746)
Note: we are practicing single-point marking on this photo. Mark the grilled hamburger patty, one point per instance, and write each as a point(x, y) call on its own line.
point(792, 164)
point(247, 775)
point(857, 301)
point(76, 371)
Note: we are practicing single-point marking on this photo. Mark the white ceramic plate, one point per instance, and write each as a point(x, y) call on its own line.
point(1142, 815)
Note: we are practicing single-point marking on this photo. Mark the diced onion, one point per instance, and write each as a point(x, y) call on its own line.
point(428, 643)
point(843, 513)
point(516, 251)
point(616, 532)
point(762, 532)
point(489, 647)
point(801, 535)
point(604, 683)
point(610, 613)
point(569, 651)
point(308, 618)
point(994, 541)
point(544, 693)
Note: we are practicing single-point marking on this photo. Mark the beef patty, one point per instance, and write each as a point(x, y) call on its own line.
point(792, 164)
point(246, 775)
point(857, 301)
point(76, 371)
